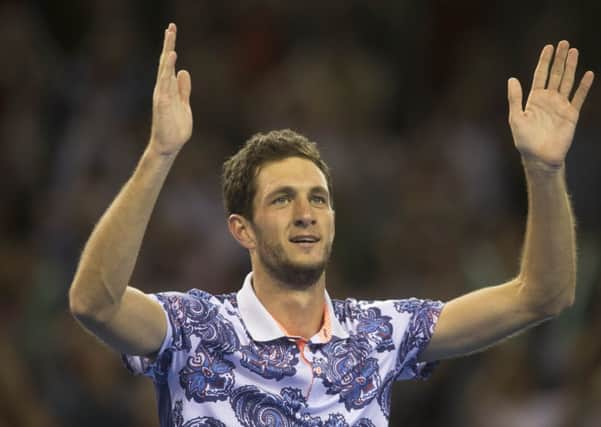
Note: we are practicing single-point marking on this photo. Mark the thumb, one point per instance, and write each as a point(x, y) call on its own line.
point(184, 84)
point(514, 95)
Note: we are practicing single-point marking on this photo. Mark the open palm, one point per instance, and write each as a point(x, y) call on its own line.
point(545, 128)
point(171, 112)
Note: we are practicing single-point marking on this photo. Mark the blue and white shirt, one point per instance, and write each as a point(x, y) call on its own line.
point(225, 361)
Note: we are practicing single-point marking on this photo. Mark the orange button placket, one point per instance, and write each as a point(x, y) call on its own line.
point(324, 335)
point(300, 344)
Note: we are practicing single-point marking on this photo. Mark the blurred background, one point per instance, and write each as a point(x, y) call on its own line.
point(407, 100)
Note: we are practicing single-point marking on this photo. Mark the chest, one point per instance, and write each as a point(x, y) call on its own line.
point(291, 373)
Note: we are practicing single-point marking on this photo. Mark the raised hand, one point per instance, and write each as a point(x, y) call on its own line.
point(544, 130)
point(171, 112)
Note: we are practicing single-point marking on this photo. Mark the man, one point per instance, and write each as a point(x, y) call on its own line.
point(280, 351)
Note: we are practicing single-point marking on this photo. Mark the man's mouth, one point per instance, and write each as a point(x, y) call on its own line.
point(305, 239)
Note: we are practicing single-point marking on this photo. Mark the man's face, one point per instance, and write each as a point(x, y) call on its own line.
point(293, 221)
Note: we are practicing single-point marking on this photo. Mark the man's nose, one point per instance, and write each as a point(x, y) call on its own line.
point(304, 216)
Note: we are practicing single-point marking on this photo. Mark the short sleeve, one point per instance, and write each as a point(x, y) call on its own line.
point(151, 366)
point(182, 312)
point(423, 316)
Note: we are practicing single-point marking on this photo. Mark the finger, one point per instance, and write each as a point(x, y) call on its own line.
point(542, 69)
point(558, 67)
point(184, 83)
point(582, 91)
point(568, 76)
point(170, 41)
point(166, 80)
point(162, 56)
point(514, 95)
point(168, 45)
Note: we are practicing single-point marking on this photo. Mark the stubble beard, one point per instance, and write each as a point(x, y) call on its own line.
point(293, 275)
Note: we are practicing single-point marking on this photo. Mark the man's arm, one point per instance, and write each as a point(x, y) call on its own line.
point(122, 316)
point(543, 133)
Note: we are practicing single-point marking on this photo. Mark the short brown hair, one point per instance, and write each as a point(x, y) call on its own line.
point(240, 170)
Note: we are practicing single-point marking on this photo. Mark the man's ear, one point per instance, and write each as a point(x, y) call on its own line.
point(334, 221)
point(242, 231)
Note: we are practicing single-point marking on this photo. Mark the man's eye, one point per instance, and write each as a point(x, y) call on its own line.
point(320, 200)
point(282, 200)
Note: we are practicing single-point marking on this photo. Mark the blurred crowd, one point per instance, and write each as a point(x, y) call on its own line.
point(407, 101)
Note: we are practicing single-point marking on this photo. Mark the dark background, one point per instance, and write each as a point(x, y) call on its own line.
point(407, 101)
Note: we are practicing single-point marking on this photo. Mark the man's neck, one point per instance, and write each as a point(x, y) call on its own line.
point(299, 312)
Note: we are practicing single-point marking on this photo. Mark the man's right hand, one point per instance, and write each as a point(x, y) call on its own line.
point(124, 317)
point(171, 112)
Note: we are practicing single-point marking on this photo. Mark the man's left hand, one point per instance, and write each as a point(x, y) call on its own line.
point(544, 130)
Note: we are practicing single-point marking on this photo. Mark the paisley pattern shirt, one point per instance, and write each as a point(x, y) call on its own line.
point(225, 361)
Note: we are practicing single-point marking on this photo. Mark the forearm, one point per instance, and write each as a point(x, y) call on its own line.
point(548, 267)
point(543, 288)
point(109, 257)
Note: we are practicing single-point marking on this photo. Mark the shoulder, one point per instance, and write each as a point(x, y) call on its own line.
point(415, 305)
point(197, 317)
point(188, 311)
point(364, 316)
point(196, 303)
point(353, 309)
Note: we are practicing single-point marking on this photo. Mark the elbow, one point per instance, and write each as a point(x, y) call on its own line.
point(78, 307)
point(556, 305)
point(563, 304)
point(86, 310)
point(546, 304)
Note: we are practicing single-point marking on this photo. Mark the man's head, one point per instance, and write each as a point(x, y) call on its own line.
point(241, 170)
point(278, 196)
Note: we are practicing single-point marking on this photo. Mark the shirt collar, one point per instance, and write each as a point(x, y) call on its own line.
point(263, 327)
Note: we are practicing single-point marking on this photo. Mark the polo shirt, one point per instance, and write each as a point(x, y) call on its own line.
point(225, 361)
